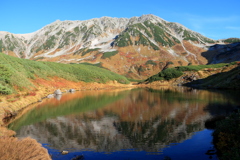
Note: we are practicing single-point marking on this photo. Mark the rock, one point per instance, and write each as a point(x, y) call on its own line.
point(71, 90)
point(64, 152)
point(58, 92)
point(210, 152)
point(58, 96)
point(78, 157)
point(50, 96)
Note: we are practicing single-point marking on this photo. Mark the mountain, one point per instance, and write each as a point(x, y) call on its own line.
point(136, 47)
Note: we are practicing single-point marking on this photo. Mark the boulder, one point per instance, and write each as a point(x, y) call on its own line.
point(50, 96)
point(72, 90)
point(58, 92)
point(64, 152)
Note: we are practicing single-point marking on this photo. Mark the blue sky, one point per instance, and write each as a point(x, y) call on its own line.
point(216, 19)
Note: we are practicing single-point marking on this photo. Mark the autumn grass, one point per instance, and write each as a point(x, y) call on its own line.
point(25, 149)
point(19, 72)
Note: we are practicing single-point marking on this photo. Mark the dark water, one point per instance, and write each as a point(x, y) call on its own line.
point(133, 124)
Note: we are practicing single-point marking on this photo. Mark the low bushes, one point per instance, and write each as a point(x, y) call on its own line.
point(166, 74)
point(18, 72)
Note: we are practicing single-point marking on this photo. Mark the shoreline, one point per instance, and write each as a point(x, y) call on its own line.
point(10, 109)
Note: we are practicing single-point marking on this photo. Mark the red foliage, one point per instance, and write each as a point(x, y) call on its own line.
point(30, 94)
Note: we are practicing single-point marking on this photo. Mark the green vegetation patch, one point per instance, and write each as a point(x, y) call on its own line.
point(199, 67)
point(226, 80)
point(176, 72)
point(17, 72)
point(166, 74)
point(109, 54)
point(84, 51)
point(96, 64)
point(232, 40)
point(159, 33)
point(188, 36)
point(123, 40)
point(2, 47)
point(151, 62)
point(67, 37)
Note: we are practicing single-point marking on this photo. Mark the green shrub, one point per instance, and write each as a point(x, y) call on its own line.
point(166, 74)
point(109, 54)
point(232, 40)
point(5, 73)
point(5, 90)
point(151, 62)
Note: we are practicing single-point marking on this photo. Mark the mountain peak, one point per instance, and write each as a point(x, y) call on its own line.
point(147, 40)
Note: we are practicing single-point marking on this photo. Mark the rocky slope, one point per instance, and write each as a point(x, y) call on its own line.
point(137, 47)
point(223, 53)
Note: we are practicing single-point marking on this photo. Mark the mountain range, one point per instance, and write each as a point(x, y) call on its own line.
point(136, 47)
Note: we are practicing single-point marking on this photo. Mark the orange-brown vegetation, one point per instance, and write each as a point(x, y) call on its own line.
point(16, 102)
point(197, 51)
point(25, 149)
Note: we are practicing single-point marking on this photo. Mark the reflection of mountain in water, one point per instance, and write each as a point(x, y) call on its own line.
point(144, 120)
point(62, 133)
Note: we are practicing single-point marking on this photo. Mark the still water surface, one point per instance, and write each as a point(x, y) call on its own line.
point(133, 124)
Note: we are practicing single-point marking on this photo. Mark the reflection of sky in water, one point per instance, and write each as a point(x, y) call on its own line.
point(136, 124)
point(191, 149)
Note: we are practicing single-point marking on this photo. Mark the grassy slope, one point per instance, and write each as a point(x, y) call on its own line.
point(230, 79)
point(217, 80)
point(18, 72)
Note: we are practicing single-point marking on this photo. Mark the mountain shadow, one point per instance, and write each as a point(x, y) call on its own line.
point(224, 80)
point(223, 53)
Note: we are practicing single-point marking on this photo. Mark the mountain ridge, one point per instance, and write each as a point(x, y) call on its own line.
point(109, 41)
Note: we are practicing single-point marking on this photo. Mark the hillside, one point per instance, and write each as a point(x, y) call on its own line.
point(223, 53)
point(136, 47)
point(222, 75)
point(221, 80)
point(17, 74)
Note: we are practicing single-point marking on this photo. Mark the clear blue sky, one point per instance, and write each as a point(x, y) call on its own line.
point(216, 19)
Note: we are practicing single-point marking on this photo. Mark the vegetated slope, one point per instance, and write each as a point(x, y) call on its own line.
point(137, 47)
point(226, 80)
point(224, 53)
point(222, 75)
point(17, 73)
